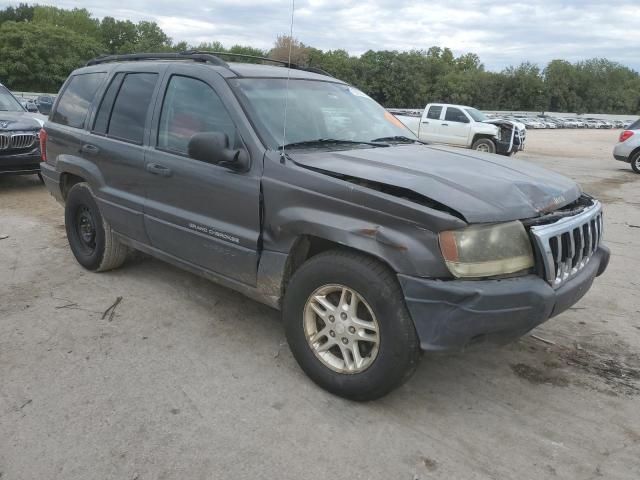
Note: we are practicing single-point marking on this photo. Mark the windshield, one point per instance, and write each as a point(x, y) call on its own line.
point(316, 110)
point(477, 115)
point(8, 102)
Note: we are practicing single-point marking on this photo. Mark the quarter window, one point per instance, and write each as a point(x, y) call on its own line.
point(76, 99)
point(131, 106)
point(434, 113)
point(191, 106)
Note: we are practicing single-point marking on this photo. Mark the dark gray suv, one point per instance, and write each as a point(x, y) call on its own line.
point(301, 192)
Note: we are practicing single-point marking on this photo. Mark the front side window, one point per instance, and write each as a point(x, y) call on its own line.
point(76, 99)
point(455, 115)
point(191, 106)
point(8, 102)
point(131, 106)
point(434, 112)
point(315, 110)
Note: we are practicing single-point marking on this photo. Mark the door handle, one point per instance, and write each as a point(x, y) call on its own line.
point(89, 149)
point(427, 123)
point(158, 169)
point(445, 124)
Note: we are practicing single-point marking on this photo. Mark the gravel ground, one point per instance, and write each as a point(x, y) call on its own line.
point(190, 380)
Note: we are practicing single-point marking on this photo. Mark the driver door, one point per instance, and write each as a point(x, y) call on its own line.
point(200, 213)
point(456, 127)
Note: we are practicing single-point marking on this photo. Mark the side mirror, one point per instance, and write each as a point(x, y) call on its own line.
point(213, 147)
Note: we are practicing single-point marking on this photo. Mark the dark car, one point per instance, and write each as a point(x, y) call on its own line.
point(302, 192)
point(19, 133)
point(45, 102)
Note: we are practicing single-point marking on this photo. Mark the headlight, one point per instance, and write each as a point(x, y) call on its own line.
point(487, 250)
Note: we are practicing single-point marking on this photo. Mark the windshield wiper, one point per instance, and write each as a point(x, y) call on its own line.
point(322, 142)
point(397, 138)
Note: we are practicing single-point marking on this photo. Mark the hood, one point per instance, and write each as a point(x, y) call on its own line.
point(483, 188)
point(19, 121)
point(503, 121)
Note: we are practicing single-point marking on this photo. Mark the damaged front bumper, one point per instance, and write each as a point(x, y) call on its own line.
point(456, 314)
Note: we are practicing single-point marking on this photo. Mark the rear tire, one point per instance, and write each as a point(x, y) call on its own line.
point(360, 360)
point(484, 145)
point(91, 239)
point(635, 162)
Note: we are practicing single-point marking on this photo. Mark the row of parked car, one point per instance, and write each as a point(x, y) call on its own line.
point(41, 104)
point(566, 122)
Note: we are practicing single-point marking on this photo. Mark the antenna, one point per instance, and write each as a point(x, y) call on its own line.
point(286, 95)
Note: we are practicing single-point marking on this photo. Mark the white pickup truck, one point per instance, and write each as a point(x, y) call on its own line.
point(465, 127)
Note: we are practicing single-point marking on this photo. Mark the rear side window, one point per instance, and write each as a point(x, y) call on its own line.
point(455, 115)
point(191, 106)
point(76, 99)
point(434, 112)
point(131, 106)
point(635, 125)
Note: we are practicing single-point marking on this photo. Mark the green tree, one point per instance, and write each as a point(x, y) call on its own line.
point(77, 20)
point(39, 57)
point(21, 13)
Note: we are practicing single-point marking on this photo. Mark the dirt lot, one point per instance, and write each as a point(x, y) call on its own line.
point(188, 380)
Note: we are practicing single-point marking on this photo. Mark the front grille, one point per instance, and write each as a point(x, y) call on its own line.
point(17, 141)
point(23, 140)
point(568, 244)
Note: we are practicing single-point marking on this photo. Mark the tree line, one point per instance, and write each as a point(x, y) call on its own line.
point(41, 45)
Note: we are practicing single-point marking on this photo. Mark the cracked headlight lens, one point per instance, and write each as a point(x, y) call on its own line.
point(487, 250)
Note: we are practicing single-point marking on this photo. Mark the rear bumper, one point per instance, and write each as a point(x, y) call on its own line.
point(622, 158)
point(51, 179)
point(20, 163)
point(453, 315)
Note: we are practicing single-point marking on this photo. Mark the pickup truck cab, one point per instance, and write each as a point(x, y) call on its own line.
point(464, 126)
point(374, 245)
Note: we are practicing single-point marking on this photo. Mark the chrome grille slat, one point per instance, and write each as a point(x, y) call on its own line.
point(23, 140)
point(17, 141)
point(568, 244)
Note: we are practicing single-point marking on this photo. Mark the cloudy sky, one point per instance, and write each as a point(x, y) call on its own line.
point(501, 32)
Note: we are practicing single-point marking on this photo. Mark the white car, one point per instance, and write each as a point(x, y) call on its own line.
point(463, 126)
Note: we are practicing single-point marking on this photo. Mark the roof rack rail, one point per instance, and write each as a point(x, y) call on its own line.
point(255, 57)
point(196, 56)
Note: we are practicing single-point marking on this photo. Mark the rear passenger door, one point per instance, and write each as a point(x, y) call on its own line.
point(203, 214)
point(430, 124)
point(119, 130)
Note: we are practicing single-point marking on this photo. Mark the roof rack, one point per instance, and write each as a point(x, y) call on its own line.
point(196, 56)
point(255, 57)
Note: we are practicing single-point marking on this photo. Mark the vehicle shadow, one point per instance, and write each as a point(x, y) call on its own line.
point(12, 183)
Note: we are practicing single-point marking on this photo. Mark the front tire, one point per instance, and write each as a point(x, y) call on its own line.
point(348, 327)
point(635, 162)
point(91, 239)
point(484, 145)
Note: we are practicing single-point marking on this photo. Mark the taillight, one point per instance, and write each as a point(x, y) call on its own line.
point(43, 144)
point(626, 135)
